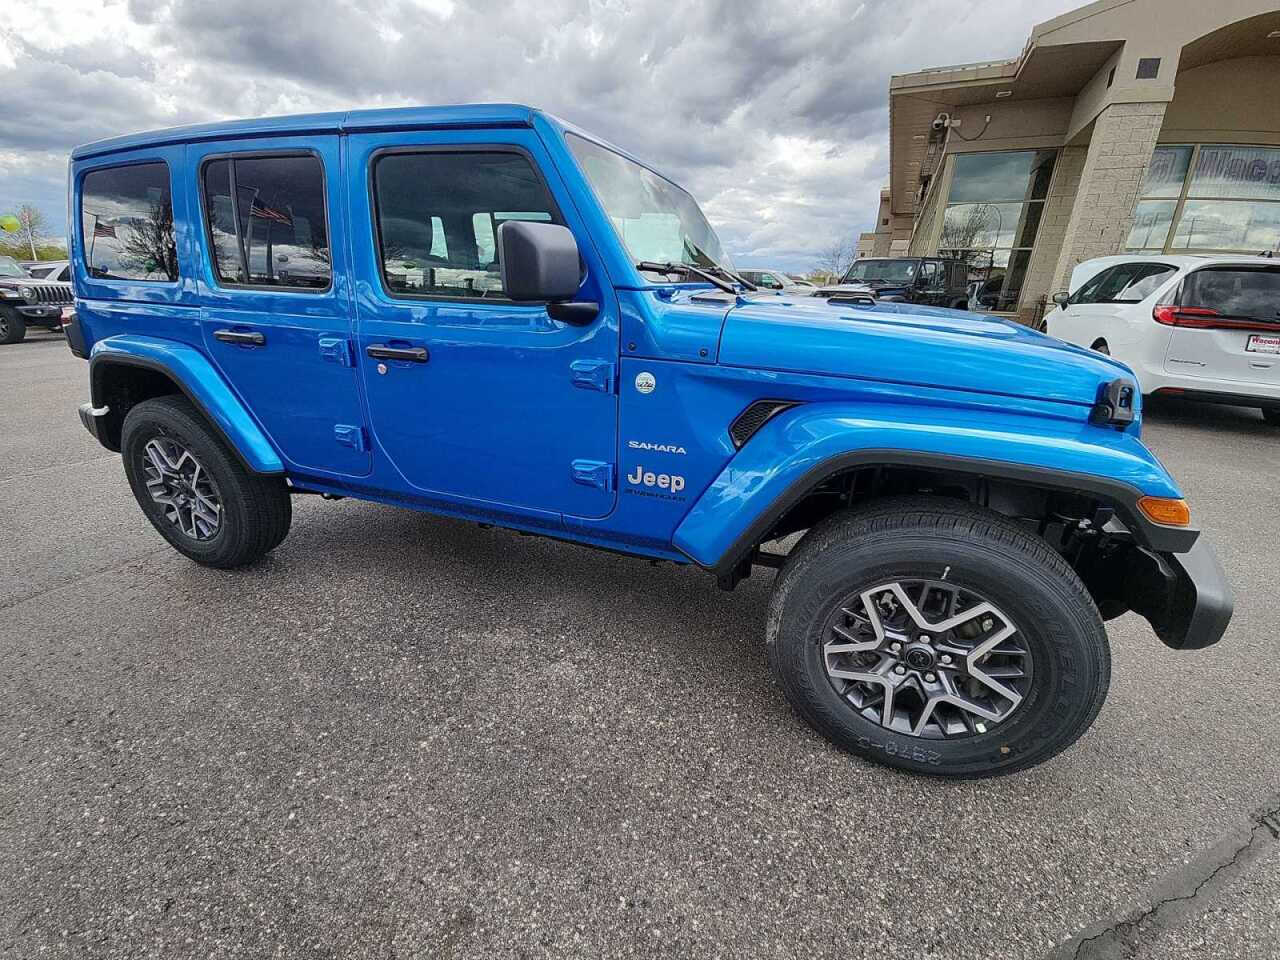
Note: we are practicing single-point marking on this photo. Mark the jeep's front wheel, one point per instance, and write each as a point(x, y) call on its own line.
point(937, 637)
point(13, 329)
point(195, 492)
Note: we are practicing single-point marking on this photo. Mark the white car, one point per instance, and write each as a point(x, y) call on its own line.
point(56, 270)
point(1206, 328)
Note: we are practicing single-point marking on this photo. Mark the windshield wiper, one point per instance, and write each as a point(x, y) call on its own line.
point(730, 275)
point(653, 266)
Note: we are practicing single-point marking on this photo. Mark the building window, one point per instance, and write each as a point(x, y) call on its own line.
point(127, 217)
point(992, 217)
point(1148, 68)
point(1209, 198)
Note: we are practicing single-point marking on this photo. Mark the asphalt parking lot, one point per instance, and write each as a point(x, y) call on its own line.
point(402, 736)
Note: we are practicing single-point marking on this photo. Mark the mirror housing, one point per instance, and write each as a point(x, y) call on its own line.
point(539, 261)
point(1061, 298)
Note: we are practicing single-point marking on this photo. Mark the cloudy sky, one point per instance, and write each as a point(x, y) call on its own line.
point(774, 114)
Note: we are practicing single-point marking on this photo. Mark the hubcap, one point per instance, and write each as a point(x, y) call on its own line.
point(927, 658)
point(177, 481)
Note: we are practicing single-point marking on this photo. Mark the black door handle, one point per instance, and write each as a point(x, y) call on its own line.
point(380, 351)
point(248, 338)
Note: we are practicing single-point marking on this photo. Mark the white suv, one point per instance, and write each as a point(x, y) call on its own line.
point(1207, 328)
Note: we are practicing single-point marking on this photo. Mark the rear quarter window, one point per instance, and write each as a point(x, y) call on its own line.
point(127, 219)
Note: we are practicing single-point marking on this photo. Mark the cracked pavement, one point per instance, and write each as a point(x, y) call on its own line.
point(407, 736)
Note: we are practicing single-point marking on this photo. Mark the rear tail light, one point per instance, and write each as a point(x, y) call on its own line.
point(1203, 318)
point(1175, 316)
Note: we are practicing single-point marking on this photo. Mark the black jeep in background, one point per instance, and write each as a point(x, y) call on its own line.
point(26, 301)
point(933, 281)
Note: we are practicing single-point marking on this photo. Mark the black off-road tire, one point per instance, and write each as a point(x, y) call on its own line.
point(1271, 415)
point(933, 539)
point(13, 329)
point(256, 510)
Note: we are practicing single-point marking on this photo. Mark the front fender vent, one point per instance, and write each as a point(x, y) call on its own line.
point(754, 417)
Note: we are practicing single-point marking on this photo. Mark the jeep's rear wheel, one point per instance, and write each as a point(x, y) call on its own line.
point(937, 637)
point(12, 327)
point(195, 492)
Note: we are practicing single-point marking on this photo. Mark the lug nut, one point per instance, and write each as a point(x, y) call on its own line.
point(946, 658)
point(988, 623)
point(895, 647)
point(899, 669)
point(929, 677)
point(925, 639)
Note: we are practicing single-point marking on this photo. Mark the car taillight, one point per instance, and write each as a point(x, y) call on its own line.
point(1175, 316)
point(1205, 319)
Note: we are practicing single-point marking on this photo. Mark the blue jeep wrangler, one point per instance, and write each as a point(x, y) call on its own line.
point(487, 313)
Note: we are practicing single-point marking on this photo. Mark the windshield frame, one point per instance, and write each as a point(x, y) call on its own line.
point(711, 259)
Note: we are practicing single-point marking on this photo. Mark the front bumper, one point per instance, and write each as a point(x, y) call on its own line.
point(91, 417)
point(1185, 596)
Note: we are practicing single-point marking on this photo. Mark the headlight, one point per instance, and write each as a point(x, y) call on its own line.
point(7, 292)
point(26, 292)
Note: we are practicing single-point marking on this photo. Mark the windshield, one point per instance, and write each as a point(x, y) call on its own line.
point(655, 219)
point(895, 271)
point(9, 268)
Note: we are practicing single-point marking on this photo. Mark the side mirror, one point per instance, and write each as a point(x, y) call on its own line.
point(1061, 298)
point(539, 261)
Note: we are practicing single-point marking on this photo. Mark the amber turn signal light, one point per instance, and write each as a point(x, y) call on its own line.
point(1171, 513)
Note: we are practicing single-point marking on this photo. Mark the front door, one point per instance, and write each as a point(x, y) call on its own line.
point(276, 315)
point(472, 397)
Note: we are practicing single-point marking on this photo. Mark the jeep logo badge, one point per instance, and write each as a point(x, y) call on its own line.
point(645, 382)
point(663, 481)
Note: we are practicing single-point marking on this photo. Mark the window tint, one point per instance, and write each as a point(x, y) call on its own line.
point(127, 217)
point(1250, 293)
point(928, 274)
point(274, 234)
point(1124, 283)
point(438, 216)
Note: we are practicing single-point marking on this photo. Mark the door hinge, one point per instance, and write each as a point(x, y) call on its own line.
point(337, 350)
point(593, 473)
point(592, 375)
point(351, 436)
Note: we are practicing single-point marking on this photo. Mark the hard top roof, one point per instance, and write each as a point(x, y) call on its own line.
point(458, 116)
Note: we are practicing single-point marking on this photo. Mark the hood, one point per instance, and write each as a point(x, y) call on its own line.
point(909, 344)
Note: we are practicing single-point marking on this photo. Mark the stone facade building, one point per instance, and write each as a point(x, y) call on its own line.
point(1125, 125)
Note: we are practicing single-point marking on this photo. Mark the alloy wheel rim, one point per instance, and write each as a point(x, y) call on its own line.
point(927, 658)
point(182, 487)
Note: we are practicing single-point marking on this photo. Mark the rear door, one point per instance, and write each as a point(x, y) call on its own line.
point(275, 314)
point(1229, 328)
point(473, 397)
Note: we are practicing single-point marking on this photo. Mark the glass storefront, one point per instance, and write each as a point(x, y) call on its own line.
point(1209, 198)
point(992, 217)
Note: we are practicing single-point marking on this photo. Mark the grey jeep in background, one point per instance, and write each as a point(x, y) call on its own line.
point(929, 281)
point(26, 302)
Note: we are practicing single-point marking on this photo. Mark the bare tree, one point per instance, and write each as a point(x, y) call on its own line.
point(149, 246)
point(31, 222)
point(964, 233)
point(836, 258)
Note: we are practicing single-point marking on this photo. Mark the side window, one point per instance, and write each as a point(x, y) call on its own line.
point(127, 216)
point(1124, 283)
point(274, 233)
point(438, 215)
point(928, 274)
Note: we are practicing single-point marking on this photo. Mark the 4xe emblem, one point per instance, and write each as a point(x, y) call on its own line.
point(663, 481)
